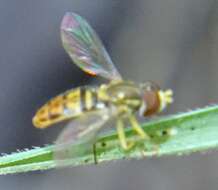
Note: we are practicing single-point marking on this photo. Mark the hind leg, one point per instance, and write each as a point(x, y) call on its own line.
point(122, 137)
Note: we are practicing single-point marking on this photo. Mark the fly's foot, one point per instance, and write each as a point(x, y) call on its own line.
point(128, 146)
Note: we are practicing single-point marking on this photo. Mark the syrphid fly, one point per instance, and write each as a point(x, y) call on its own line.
point(88, 109)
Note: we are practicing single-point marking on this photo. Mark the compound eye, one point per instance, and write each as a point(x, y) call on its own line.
point(150, 86)
point(152, 101)
point(150, 97)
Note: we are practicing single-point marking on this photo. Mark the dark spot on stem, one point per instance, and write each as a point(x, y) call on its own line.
point(164, 132)
point(103, 144)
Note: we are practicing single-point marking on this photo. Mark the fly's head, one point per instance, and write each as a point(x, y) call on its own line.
point(154, 99)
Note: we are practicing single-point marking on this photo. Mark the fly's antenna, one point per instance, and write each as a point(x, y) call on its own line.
point(166, 98)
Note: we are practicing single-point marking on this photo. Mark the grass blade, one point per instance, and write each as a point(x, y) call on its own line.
point(172, 135)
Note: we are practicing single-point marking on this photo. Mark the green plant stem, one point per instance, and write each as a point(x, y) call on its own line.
point(173, 135)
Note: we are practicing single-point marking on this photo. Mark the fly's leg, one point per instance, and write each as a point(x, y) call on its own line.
point(141, 133)
point(137, 128)
point(122, 137)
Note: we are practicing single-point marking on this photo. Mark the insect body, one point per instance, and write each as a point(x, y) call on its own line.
point(88, 109)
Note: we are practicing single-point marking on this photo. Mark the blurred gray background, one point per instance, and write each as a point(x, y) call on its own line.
point(172, 42)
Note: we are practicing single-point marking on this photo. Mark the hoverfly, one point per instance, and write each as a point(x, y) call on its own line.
point(89, 108)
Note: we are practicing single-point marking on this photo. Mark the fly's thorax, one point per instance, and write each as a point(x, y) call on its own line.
point(121, 93)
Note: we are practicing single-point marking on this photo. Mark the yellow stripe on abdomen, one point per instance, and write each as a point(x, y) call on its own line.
point(88, 100)
point(72, 102)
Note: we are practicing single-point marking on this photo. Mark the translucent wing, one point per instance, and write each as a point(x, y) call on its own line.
point(79, 135)
point(85, 48)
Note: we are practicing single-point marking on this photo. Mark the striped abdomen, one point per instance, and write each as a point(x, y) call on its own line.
point(66, 106)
